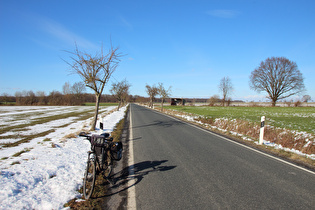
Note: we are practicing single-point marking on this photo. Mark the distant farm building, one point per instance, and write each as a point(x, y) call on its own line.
point(178, 101)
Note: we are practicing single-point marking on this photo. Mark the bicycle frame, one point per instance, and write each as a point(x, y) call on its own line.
point(99, 161)
point(103, 159)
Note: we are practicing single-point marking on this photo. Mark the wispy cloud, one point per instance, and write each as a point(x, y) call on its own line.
point(125, 22)
point(64, 35)
point(223, 13)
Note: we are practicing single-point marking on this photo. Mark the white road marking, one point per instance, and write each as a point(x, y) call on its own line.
point(131, 201)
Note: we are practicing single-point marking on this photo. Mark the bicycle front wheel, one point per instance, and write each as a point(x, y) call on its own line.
point(89, 177)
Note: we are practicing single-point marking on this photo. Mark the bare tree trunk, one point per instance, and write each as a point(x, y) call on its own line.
point(119, 105)
point(98, 97)
point(162, 105)
point(151, 103)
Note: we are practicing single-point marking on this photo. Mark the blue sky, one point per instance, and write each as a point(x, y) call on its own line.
point(189, 45)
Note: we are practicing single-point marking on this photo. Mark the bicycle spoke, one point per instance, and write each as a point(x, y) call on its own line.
point(89, 179)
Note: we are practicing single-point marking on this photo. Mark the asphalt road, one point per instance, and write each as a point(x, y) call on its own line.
point(179, 166)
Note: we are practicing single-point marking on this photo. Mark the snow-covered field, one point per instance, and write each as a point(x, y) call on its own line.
point(47, 171)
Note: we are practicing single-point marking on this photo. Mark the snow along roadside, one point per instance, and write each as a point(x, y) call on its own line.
point(49, 175)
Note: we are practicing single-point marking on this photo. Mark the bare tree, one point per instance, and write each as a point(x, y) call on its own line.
point(279, 77)
point(121, 91)
point(18, 97)
point(306, 98)
point(152, 91)
point(30, 98)
point(163, 93)
point(226, 88)
point(78, 88)
point(95, 70)
point(55, 98)
point(213, 100)
point(66, 88)
point(42, 99)
point(4, 98)
point(67, 95)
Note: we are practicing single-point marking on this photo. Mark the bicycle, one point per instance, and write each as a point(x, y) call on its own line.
point(100, 159)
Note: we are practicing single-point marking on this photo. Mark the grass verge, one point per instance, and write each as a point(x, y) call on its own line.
point(247, 132)
point(293, 118)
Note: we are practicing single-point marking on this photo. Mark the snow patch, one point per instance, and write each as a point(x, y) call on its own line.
point(50, 172)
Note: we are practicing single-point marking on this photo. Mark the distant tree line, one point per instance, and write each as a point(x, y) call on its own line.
point(279, 77)
point(71, 95)
point(57, 98)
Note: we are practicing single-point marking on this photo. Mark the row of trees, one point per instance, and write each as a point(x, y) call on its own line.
point(56, 98)
point(154, 90)
point(71, 95)
point(279, 77)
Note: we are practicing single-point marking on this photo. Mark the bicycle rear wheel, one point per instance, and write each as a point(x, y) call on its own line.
point(89, 177)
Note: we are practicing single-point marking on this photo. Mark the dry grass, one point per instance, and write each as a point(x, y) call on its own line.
point(15, 162)
point(21, 152)
point(284, 137)
point(26, 139)
point(71, 135)
point(21, 127)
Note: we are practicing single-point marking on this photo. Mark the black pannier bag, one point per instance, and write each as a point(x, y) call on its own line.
point(116, 150)
point(98, 140)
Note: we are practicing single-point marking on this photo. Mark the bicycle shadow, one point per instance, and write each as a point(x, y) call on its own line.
point(132, 175)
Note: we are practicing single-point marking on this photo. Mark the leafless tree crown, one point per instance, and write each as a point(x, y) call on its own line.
point(121, 91)
point(152, 91)
point(279, 77)
point(164, 93)
point(95, 70)
point(225, 88)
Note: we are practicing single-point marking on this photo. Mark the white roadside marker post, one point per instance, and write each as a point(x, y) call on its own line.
point(262, 128)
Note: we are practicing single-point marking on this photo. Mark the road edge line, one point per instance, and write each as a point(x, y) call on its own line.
point(131, 200)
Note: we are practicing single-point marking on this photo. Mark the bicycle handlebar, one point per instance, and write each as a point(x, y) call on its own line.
point(83, 134)
point(88, 137)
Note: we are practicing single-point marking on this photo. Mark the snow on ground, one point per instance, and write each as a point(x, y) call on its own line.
point(50, 172)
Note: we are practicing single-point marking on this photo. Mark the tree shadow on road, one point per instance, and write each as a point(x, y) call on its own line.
point(164, 123)
point(132, 175)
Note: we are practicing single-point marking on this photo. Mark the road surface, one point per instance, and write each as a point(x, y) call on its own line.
point(179, 166)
